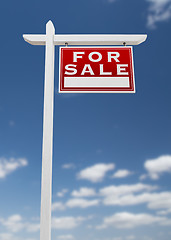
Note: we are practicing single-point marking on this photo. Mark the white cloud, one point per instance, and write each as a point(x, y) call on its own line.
point(122, 173)
point(158, 11)
point(130, 220)
point(143, 177)
point(6, 236)
point(126, 195)
point(117, 238)
point(8, 166)
point(66, 222)
point(131, 237)
point(65, 237)
point(164, 212)
point(58, 206)
point(82, 203)
point(68, 166)
point(15, 223)
point(156, 167)
point(26, 239)
point(147, 238)
point(62, 193)
point(95, 173)
point(160, 201)
point(125, 189)
point(84, 192)
point(32, 227)
point(127, 200)
point(89, 226)
point(10, 236)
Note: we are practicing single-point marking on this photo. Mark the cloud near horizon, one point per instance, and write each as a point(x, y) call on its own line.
point(124, 220)
point(65, 237)
point(67, 222)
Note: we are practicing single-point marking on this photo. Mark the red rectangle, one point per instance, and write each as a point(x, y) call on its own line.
point(96, 69)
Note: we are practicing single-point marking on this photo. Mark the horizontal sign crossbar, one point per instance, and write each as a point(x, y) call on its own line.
point(86, 39)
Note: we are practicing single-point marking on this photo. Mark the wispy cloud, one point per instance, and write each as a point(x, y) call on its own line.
point(82, 203)
point(15, 223)
point(65, 237)
point(95, 173)
point(122, 173)
point(78, 200)
point(68, 166)
point(164, 212)
point(6, 236)
point(67, 222)
point(131, 237)
point(124, 195)
point(121, 195)
point(84, 192)
point(32, 227)
point(8, 166)
point(119, 190)
point(11, 123)
point(131, 195)
point(131, 220)
point(158, 11)
point(62, 193)
point(58, 206)
point(153, 200)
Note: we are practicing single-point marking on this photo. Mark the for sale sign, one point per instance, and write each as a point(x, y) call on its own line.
point(96, 69)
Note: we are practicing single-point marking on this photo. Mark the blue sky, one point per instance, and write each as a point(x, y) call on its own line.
point(112, 155)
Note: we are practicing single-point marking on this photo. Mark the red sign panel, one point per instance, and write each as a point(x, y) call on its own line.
point(96, 69)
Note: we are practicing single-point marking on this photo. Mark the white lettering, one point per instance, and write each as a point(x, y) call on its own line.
point(90, 70)
point(115, 57)
point(71, 67)
point(95, 60)
point(76, 55)
point(121, 68)
point(102, 71)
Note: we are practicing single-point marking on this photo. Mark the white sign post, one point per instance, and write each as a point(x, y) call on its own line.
point(46, 189)
point(50, 40)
